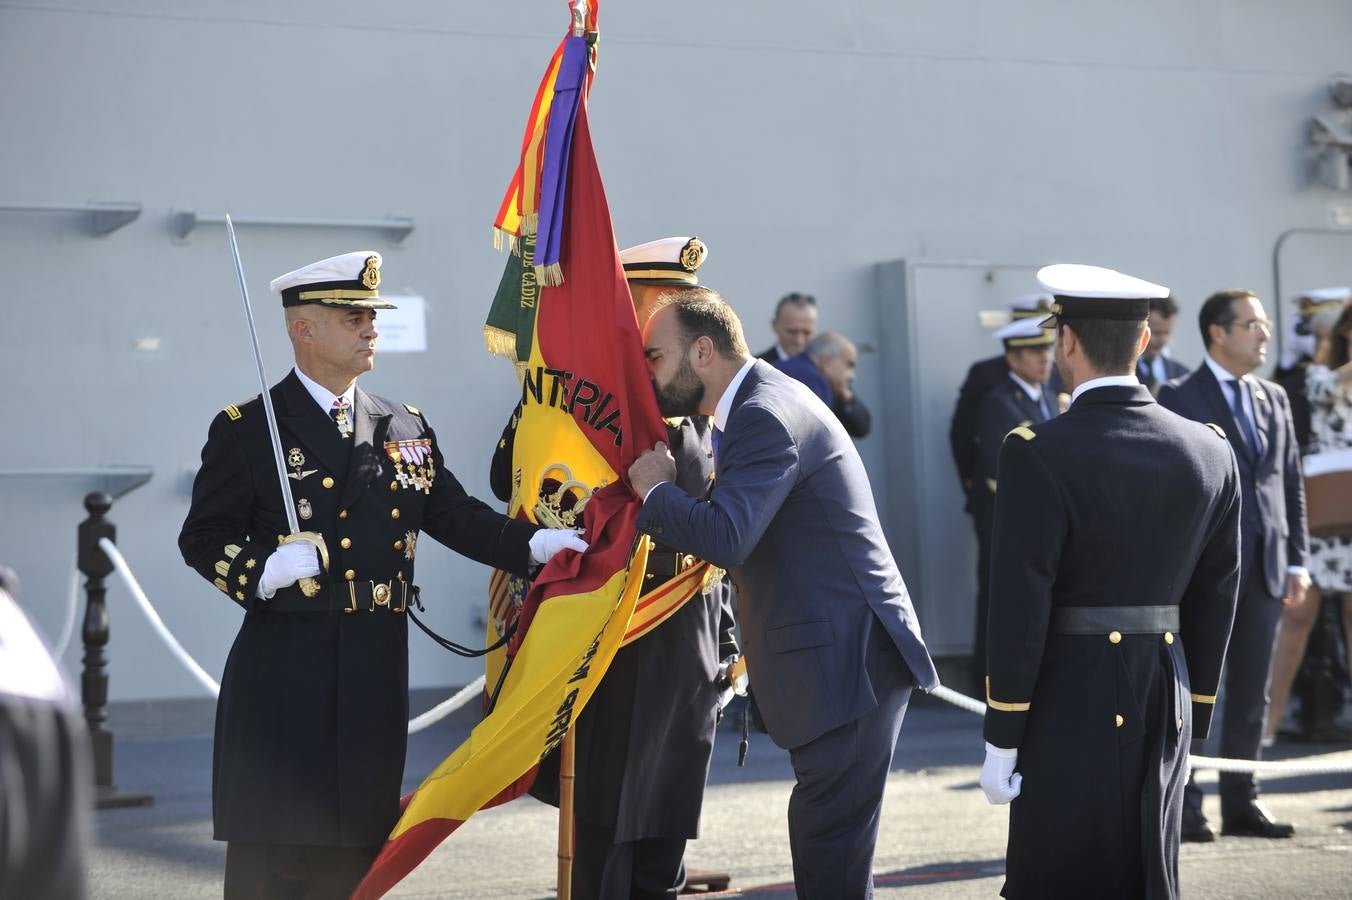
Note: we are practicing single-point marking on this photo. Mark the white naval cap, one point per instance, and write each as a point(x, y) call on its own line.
point(1038, 303)
point(672, 260)
point(1026, 332)
point(1321, 299)
point(346, 280)
point(1093, 292)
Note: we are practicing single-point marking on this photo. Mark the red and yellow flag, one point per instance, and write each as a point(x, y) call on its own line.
point(587, 411)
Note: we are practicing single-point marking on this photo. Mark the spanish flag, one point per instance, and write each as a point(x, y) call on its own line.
point(588, 410)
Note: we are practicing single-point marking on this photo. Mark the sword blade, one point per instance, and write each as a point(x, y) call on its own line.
point(287, 502)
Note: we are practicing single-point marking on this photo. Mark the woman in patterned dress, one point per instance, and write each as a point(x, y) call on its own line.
point(1328, 385)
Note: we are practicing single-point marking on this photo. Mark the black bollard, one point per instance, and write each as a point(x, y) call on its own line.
point(95, 565)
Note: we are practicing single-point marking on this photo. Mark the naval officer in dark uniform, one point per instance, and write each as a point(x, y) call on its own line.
point(1114, 573)
point(983, 375)
point(645, 739)
point(312, 720)
point(1023, 398)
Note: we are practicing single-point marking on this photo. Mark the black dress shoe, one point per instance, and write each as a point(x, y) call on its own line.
point(1195, 828)
point(1254, 821)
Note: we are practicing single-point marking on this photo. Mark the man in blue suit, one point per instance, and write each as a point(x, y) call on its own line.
point(1155, 368)
point(1256, 417)
point(831, 640)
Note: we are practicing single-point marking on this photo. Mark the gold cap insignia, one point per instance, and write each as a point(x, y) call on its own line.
point(370, 276)
point(693, 253)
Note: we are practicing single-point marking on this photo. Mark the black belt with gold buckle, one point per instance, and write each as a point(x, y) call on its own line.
point(347, 597)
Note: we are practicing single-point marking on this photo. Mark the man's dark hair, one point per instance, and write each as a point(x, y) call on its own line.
point(1219, 309)
point(702, 312)
point(1110, 345)
point(795, 299)
point(1166, 307)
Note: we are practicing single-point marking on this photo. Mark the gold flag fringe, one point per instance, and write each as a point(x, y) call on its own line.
point(500, 342)
point(550, 275)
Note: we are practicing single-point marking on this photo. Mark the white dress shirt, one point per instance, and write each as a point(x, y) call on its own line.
point(323, 396)
point(1105, 381)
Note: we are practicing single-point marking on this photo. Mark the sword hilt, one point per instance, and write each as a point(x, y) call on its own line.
point(310, 587)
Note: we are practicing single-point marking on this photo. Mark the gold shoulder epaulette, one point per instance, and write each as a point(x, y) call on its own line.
point(412, 409)
point(233, 412)
point(1022, 431)
point(1216, 428)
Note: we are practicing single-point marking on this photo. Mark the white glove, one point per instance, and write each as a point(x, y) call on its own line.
point(998, 778)
point(548, 541)
point(289, 564)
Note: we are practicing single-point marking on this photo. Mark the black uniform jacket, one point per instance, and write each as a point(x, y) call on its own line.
point(1115, 503)
point(312, 721)
point(645, 739)
point(1003, 408)
point(984, 376)
point(1273, 516)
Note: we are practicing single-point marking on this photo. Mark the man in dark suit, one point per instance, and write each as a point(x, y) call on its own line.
point(645, 739)
point(1256, 416)
point(1024, 399)
point(794, 324)
point(831, 640)
point(1154, 368)
point(981, 377)
point(827, 366)
point(1113, 575)
point(312, 719)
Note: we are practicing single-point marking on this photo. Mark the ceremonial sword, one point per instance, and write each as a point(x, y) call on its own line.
point(310, 587)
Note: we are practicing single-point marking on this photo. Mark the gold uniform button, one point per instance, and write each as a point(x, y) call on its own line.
point(350, 575)
point(345, 543)
point(1168, 637)
point(342, 514)
point(399, 545)
point(1115, 637)
point(394, 513)
point(328, 481)
point(1120, 720)
point(394, 485)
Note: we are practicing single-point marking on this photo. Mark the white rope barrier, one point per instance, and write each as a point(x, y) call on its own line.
point(418, 723)
point(120, 564)
point(72, 609)
point(1327, 764)
point(447, 706)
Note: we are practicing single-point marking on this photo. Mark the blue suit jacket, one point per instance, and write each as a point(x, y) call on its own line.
point(1272, 509)
point(791, 516)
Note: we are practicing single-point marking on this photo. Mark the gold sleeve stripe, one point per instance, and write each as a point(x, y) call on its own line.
point(232, 550)
point(412, 409)
point(222, 568)
point(220, 584)
point(1024, 432)
point(233, 412)
point(1001, 705)
point(1204, 698)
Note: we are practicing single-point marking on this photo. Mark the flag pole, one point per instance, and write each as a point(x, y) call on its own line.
point(566, 833)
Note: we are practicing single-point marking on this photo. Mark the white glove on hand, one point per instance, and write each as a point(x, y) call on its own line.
point(548, 541)
point(998, 778)
point(289, 564)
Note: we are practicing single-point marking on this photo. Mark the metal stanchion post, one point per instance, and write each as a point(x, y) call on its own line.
point(95, 565)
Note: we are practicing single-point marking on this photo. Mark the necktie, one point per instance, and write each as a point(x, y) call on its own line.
point(714, 438)
point(1245, 423)
point(1042, 406)
point(341, 415)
